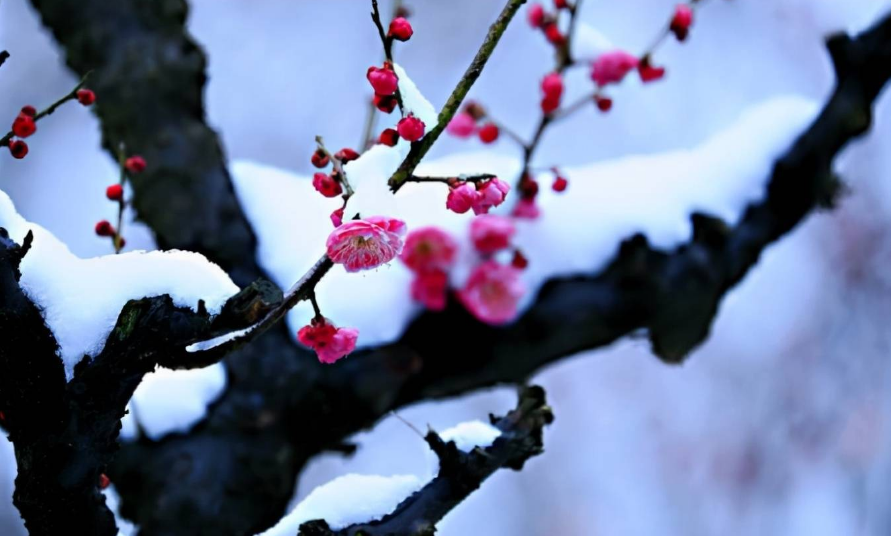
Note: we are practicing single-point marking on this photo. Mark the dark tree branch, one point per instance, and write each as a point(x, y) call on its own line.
point(460, 473)
point(282, 408)
point(149, 78)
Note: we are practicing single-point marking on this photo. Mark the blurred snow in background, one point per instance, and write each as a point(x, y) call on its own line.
point(778, 425)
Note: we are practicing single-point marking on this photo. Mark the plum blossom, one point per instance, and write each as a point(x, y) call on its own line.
point(329, 342)
point(492, 293)
point(411, 128)
point(491, 194)
point(430, 288)
point(491, 233)
point(383, 80)
point(429, 248)
point(462, 198)
point(611, 67)
point(366, 243)
point(527, 209)
point(463, 125)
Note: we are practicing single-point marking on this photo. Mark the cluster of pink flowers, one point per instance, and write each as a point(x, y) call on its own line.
point(367, 243)
point(493, 290)
point(329, 342)
point(430, 253)
point(470, 121)
point(464, 196)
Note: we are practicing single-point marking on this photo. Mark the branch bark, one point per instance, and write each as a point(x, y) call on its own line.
point(234, 473)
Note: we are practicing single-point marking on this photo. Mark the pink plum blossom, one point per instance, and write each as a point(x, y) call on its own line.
point(612, 67)
point(491, 194)
point(527, 209)
point(491, 233)
point(492, 293)
point(463, 125)
point(329, 342)
point(430, 288)
point(429, 248)
point(367, 243)
point(462, 198)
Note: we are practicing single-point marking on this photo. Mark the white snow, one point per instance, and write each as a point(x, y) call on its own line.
point(579, 231)
point(170, 401)
point(348, 500)
point(209, 344)
point(113, 501)
point(588, 43)
point(80, 299)
point(467, 436)
point(413, 101)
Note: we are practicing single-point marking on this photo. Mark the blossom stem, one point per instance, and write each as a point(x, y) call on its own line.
point(72, 95)
point(420, 148)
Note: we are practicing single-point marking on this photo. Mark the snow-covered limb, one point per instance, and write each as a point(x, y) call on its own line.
point(674, 293)
point(460, 472)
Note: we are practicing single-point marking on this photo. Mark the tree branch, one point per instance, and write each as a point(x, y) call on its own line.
point(460, 473)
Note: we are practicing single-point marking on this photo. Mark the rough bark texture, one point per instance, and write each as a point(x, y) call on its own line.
point(234, 473)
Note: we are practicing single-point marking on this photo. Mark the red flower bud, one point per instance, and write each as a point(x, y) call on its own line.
point(411, 128)
point(135, 164)
point(320, 159)
point(382, 80)
point(18, 148)
point(604, 104)
point(489, 132)
point(549, 104)
point(115, 192)
point(104, 228)
point(389, 137)
point(346, 155)
point(104, 481)
point(326, 185)
point(681, 22)
point(519, 261)
point(648, 73)
point(535, 15)
point(386, 103)
point(86, 97)
point(400, 29)
point(29, 110)
point(560, 184)
point(553, 34)
point(475, 110)
point(24, 126)
point(561, 4)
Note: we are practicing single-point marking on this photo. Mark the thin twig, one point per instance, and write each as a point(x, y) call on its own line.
point(4, 141)
point(387, 42)
point(449, 180)
point(4, 55)
point(122, 164)
point(420, 148)
point(338, 168)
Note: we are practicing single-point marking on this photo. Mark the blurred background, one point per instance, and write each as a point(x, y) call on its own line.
point(779, 424)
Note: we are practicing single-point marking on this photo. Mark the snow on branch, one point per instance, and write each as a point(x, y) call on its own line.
point(461, 472)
